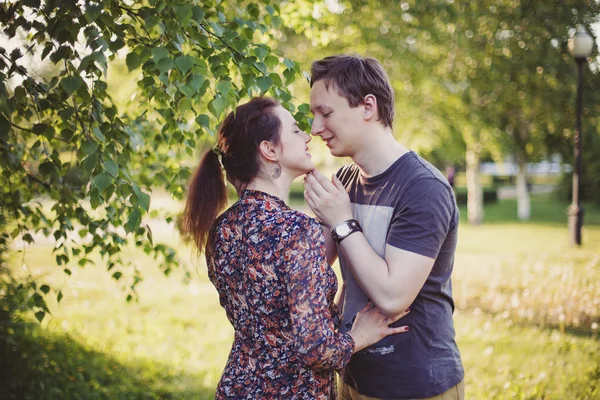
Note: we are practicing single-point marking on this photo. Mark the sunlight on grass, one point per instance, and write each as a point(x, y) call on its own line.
point(526, 307)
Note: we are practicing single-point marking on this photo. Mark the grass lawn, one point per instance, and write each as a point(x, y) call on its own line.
point(526, 302)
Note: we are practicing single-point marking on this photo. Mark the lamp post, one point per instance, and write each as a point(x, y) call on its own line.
point(580, 46)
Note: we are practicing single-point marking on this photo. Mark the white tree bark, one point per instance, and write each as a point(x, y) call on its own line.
point(523, 200)
point(474, 189)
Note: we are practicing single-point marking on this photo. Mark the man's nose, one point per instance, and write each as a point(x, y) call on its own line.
point(317, 127)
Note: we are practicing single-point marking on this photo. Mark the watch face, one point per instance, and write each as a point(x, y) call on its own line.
point(342, 230)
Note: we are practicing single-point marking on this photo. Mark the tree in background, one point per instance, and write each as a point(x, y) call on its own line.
point(78, 166)
point(473, 80)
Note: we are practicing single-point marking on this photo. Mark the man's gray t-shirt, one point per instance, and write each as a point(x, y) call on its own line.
point(410, 206)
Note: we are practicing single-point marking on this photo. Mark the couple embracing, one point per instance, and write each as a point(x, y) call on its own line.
point(389, 216)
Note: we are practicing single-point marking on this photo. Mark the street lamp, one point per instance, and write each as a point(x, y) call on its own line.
point(580, 46)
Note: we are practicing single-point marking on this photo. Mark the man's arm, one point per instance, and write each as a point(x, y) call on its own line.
point(393, 282)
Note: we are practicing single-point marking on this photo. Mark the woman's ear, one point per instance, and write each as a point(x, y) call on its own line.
point(370, 106)
point(268, 151)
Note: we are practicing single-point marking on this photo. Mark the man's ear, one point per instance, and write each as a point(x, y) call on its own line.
point(268, 151)
point(370, 106)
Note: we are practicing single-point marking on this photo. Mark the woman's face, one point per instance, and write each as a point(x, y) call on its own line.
point(294, 157)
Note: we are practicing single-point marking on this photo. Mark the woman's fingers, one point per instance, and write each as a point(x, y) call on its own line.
point(399, 329)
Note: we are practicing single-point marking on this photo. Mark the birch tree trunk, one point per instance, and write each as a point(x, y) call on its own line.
point(474, 189)
point(523, 200)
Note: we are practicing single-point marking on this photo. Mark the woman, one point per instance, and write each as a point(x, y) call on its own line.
point(267, 262)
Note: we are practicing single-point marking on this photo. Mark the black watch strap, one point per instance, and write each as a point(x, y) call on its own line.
point(353, 226)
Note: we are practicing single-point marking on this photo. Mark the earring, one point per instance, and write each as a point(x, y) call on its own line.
point(277, 170)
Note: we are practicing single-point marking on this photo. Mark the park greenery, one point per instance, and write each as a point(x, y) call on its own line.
point(526, 307)
point(105, 104)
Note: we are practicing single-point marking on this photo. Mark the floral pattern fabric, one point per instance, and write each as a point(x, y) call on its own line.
point(268, 266)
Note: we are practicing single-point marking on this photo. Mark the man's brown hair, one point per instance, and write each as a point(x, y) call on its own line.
point(354, 77)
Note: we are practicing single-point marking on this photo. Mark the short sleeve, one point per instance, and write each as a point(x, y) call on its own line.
point(424, 219)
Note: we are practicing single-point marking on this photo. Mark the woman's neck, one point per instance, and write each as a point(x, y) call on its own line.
point(279, 187)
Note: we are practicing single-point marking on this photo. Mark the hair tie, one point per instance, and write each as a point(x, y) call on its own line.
point(216, 150)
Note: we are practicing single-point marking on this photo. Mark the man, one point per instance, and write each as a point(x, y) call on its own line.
point(394, 220)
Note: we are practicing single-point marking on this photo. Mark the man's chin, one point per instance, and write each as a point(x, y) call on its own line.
point(336, 153)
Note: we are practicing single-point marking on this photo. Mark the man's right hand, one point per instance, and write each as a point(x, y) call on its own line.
point(328, 199)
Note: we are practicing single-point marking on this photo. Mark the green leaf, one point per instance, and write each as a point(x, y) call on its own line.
point(261, 52)
point(133, 61)
point(66, 113)
point(158, 53)
point(261, 67)
point(111, 167)
point(217, 106)
point(264, 83)
point(144, 201)
point(71, 84)
point(40, 315)
point(4, 127)
point(31, 3)
point(183, 13)
point(276, 21)
point(117, 275)
point(188, 92)
point(276, 79)
point(102, 181)
point(116, 45)
point(95, 199)
point(46, 168)
point(224, 87)
point(165, 65)
point(47, 49)
point(133, 221)
point(39, 128)
point(59, 296)
point(290, 76)
point(203, 120)
point(198, 14)
point(92, 12)
point(88, 147)
point(45, 289)
point(89, 163)
point(185, 63)
point(98, 133)
point(28, 238)
point(151, 21)
point(289, 63)
point(195, 81)
point(271, 61)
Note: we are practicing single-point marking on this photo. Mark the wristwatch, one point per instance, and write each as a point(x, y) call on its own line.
point(345, 229)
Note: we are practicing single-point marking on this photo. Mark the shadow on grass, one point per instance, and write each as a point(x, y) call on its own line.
point(36, 364)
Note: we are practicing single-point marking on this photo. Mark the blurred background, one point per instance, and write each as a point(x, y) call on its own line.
point(114, 305)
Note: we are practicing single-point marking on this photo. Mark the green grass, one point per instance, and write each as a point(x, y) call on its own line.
point(526, 303)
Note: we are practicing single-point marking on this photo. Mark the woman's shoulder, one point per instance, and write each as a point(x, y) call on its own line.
point(300, 219)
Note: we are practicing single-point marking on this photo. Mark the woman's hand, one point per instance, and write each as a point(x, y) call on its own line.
point(370, 326)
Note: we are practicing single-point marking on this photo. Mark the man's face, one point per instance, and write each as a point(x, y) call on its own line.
point(339, 125)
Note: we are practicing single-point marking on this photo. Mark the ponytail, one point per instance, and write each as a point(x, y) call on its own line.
point(207, 196)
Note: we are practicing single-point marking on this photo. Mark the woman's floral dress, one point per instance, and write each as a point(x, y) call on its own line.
point(269, 268)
